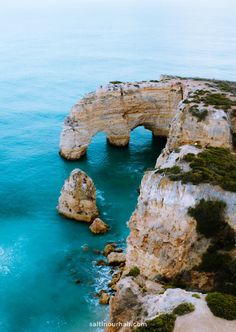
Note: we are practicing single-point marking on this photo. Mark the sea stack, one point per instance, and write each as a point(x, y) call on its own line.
point(78, 197)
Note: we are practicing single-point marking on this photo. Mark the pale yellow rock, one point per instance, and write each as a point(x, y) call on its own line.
point(98, 226)
point(78, 197)
point(131, 304)
point(116, 109)
point(152, 105)
point(163, 239)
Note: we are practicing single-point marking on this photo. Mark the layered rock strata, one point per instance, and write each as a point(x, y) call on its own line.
point(164, 240)
point(116, 109)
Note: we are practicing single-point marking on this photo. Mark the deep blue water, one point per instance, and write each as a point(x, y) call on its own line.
point(50, 55)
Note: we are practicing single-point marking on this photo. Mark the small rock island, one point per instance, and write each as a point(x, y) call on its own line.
point(180, 262)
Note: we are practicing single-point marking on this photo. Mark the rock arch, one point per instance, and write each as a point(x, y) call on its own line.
point(117, 109)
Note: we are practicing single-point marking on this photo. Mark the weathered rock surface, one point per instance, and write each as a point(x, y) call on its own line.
point(132, 304)
point(104, 298)
point(98, 226)
point(163, 240)
point(108, 249)
point(78, 197)
point(116, 258)
point(116, 109)
point(163, 237)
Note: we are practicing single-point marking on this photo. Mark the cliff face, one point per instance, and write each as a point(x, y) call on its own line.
point(163, 237)
point(196, 116)
point(116, 109)
point(164, 241)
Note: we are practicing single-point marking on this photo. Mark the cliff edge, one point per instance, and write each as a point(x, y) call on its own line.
point(182, 233)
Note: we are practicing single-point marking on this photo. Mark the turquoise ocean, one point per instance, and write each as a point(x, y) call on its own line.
point(51, 54)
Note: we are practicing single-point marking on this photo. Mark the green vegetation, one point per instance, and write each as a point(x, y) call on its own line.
point(222, 305)
point(217, 259)
point(116, 82)
point(223, 266)
point(183, 309)
point(177, 150)
point(214, 165)
point(162, 323)
point(226, 86)
point(200, 115)
point(218, 100)
point(197, 296)
point(209, 216)
point(134, 272)
point(169, 171)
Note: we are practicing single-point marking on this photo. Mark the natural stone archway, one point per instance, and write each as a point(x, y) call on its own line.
point(116, 109)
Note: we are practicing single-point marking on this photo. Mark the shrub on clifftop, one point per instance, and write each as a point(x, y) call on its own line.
point(209, 216)
point(222, 305)
point(162, 323)
point(134, 272)
point(216, 166)
point(183, 309)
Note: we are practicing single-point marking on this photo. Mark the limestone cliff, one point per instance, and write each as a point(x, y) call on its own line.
point(198, 117)
point(116, 109)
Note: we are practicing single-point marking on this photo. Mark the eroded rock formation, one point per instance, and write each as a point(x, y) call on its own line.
point(78, 197)
point(98, 226)
point(116, 110)
point(164, 240)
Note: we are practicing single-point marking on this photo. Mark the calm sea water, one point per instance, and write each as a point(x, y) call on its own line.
point(50, 55)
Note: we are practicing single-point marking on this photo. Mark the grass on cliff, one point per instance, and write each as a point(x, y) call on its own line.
point(116, 82)
point(222, 305)
point(183, 309)
point(134, 272)
point(218, 100)
point(219, 259)
point(209, 216)
point(227, 86)
point(200, 115)
point(162, 323)
point(216, 166)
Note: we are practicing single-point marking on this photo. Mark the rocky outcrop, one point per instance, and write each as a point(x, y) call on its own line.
point(98, 226)
point(164, 240)
point(78, 197)
point(136, 302)
point(116, 258)
point(163, 237)
point(116, 109)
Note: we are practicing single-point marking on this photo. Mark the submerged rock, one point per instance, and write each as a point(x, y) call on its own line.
point(99, 227)
point(78, 197)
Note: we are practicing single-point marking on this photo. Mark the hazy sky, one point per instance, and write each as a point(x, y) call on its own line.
point(40, 3)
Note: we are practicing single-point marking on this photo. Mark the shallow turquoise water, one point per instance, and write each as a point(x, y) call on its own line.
point(49, 57)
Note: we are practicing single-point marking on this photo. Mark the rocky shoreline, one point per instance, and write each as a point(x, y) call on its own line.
point(182, 233)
